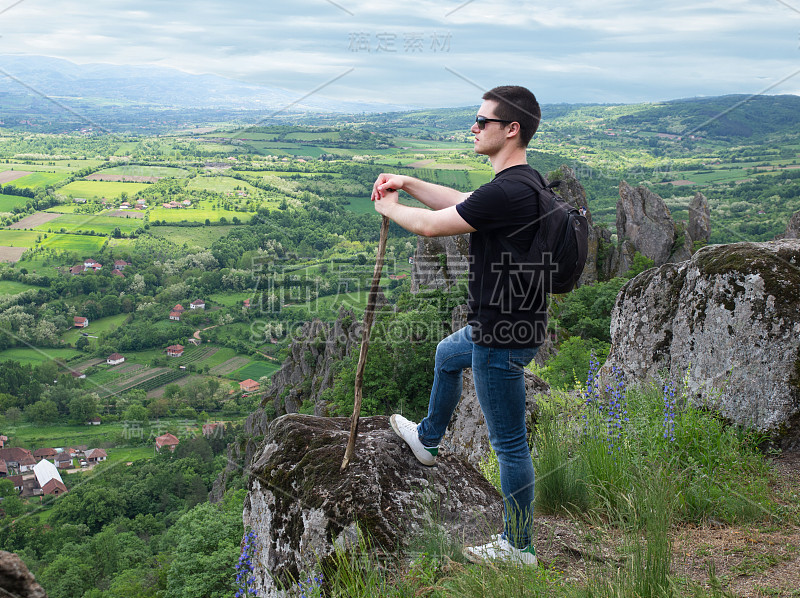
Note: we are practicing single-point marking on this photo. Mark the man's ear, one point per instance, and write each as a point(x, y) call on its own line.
point(513, 130)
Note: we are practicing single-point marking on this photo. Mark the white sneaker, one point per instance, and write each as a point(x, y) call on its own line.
point(501, 550)
point(407, 430)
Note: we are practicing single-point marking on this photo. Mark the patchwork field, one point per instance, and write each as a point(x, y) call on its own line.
point(124, 214)
point(198, 236)
point(9, 202)
point(98, 189)
point(19, 238)
point(88, 222)
point(41, 179)
point(11, 254)
point(11, 175)
point(37, 356)
point(221, 184)
point(35, 220)
point(12, 287)
point(82, 244)
point(198, 214)
point(146, 171)
point(255, 370)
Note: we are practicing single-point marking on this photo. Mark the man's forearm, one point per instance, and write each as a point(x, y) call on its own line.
point(436, 197)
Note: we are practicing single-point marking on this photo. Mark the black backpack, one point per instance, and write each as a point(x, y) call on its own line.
point(559, 248)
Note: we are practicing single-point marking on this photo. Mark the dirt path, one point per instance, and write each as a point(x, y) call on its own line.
point(198, 331)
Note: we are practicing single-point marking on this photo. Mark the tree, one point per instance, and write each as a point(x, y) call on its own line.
point(82, 408)
point(13, 415)
point(42, 412)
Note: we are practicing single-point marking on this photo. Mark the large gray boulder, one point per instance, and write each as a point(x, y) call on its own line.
point(699, 228)
point(731, 317)
point(300, 505)
point(439, 261)
point(644, 220)
point(467, 435)
point(792, 228)
point(15, 579)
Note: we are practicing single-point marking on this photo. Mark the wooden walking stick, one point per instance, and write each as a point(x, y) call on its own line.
point(369, 315)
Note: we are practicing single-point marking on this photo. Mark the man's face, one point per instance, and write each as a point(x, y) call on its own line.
point(493, 137)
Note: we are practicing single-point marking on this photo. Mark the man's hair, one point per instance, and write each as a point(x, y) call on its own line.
point(517, 104)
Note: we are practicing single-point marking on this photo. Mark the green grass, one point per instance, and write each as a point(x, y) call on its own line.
point(37, 356)
point(12, 287)
point(98, 189)
point(154, 171)
point(255, 370)
point(229, 299)
point(64, 208)
point(91, 222)
point(18, 238)
point(199, 236)
point(196, 214)
point(81, 244)
point(9, 202)
point(95, 328)
point(40, 179)
point(220, 184)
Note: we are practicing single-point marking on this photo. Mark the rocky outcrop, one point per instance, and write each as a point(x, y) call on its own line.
point(16, 580)
point(575, 195)
point(699, 228)
point(300, 505)
point(307, 370)
point(644, 221)
point(439, 261)
point(467, 436)
point(730, 316)
point(792, 229)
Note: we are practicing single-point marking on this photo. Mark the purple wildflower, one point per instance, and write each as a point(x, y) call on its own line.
point(245, 580)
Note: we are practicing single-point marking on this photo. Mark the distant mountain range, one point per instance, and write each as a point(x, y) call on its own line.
point(157, 87)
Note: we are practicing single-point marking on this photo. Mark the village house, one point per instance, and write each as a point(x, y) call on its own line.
point(167, 440)
point(18, 459)
point(3, 469)
point(80, 321)
point(63, 460)
point(77, 374)
point(93, 264)
point(3, 440)
point(44, 453)
point(116, 272)
point(120, 264)
point(197, 304)
point(186, 202)
point(76, 452)
point(249, 385)
point(17, 481)
point(175, 315)
point(96, 455)
point(125, 205)
point(75, 270)
point(175, 350)
point(95, 421)
point(211, 429)
point(48, 478)
point(246, 303)
point(178, 307)
point(79, 200)
point(115, 359)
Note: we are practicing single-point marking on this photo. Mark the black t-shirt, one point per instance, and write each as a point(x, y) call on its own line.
point(501, 314)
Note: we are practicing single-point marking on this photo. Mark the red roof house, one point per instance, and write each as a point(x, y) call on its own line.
point(197, 304)
point(80, 322)
point(249, 385)
point(96, 455)
point(54, 487)
point(175, 315)
point(167, 440)
point(175, 350)
point(114, 359)
point(178, 307)
point(44, 453)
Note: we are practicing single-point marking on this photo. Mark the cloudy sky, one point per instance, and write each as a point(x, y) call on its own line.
point(434, 53)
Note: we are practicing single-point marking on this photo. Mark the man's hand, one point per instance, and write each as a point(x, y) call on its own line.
point(386, 183)
point(389, 199)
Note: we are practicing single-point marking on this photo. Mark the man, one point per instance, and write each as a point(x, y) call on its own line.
point(505, 327)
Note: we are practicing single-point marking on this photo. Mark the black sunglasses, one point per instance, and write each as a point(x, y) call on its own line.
point(482, 120)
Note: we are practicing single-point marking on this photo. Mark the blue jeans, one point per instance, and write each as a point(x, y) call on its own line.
point(500, 386)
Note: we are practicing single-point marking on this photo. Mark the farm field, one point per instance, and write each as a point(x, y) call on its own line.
point(11, 254)
point(64, 208)
point(220, 184)
point(228, 299)
point(9, 202)
point(147, 171)
point(95, 328)
point(198, 214)
point(129, 214)
point(82, 244)
point(255, 370)
point(37, 356)
point(90, 222)
point(98, 189)
point(34, 220)
point(40, 179)
point(193, 236)
point(19, 238)
point(12, 287)
point(7, 176)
